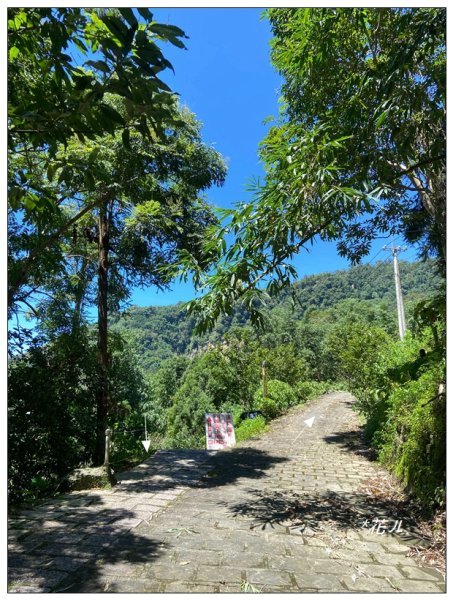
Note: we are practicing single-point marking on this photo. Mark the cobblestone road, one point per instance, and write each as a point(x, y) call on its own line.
point(281, 513)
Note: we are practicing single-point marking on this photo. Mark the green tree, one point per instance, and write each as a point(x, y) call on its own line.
point(54, 97)
point(149, 213)
point(358, 152)
point(120, 167)
point(376, 79)
point(354, 349)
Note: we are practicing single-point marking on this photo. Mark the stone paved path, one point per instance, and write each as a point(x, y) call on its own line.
point(280, 513)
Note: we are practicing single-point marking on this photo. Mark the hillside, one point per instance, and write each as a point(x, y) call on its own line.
point(163, 331)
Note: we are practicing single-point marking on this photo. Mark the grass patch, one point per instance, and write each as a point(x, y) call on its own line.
point(250, 428)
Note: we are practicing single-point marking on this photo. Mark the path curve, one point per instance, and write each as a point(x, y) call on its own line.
point(285, 512)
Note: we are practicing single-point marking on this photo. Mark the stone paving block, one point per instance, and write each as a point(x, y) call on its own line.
point(85, 586)
point(127, 523)
point(244, 559)
point(269, 577)
point(374, 570)
point(421, 573)
point(74, 552)
point(222, 575)
point(56, 537)
point(200, 557)
point(41, 577)
point(394, 559)
point(354, 557)
point(22, 560)
point(304, 551)
point(336, 567)
point(118, 569)
point(289, 563)
point(64, 563)
point(396, 548)
point(314, 541)
point(371, 546)
point(127, 585)
point(310, 581)
point(148, 508)
point(22, 535)
point(367, 584)
point(98, 540)
point(412, 585)
point(168, 571)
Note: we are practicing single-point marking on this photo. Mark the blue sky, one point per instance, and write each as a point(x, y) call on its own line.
point(226, 79)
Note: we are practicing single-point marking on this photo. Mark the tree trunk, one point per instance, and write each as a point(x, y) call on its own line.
point(102, 392)
point(79, 297)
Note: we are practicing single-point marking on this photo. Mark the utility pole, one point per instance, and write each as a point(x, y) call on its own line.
point(399, 293)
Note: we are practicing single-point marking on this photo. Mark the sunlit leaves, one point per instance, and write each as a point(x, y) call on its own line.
point(57, 94)
point(358, 123)
point(127, 60)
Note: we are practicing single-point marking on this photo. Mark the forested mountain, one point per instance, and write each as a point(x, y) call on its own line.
point(160, 332)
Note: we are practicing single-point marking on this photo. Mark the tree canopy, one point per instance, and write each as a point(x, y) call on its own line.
point(75, 74)
point(357, 153)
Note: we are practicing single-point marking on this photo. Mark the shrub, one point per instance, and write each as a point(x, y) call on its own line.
point(412, 439)
point(250, 428)
point(186, 418)
point(279, 398)
point(307, 390)
point(268, 406)
point(406, 414)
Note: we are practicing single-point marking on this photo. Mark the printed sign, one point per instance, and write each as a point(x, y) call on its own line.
point(219, 431)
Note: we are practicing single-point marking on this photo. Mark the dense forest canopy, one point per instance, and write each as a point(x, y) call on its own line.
point(162, 331)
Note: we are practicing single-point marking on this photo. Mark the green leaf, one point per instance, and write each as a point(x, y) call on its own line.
point(94, 154)
point(128, 14)
point(100, 65)
point(111, 114)
point(382, 118)
point(89, 179)
point(30, 201)
point(13, 52)
point(51, 169)
point(146, 14)
point(116, 27)
point(64, 175)
point(170, 33)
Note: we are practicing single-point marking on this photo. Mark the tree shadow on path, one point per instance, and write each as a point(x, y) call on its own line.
point(315, 512)
point(238, 463)
point(75, 548)
point(354, 441)
point(197, 469)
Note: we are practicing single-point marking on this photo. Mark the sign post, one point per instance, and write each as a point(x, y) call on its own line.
point(264, 374)
point(146, 443)
point(108, 434)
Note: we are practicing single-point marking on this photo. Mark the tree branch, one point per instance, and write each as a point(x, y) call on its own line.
point(28, 263)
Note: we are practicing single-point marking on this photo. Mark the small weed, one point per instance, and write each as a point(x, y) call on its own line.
point(181, 530)
point(248, 588)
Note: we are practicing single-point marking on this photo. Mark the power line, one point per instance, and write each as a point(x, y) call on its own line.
point(371, 260)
